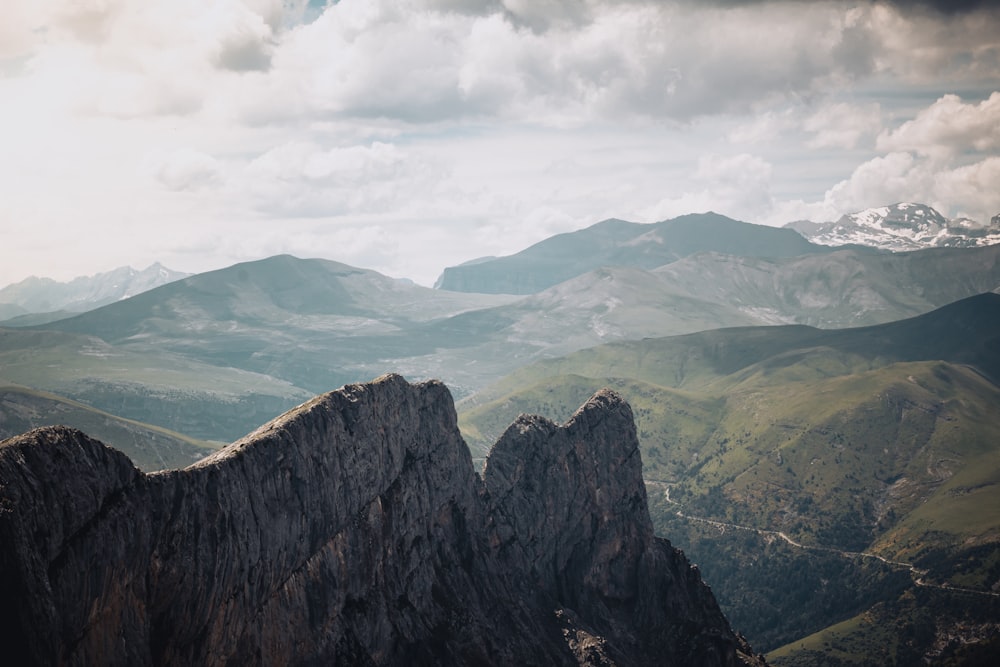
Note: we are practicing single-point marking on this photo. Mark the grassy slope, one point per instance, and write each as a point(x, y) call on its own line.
point(149, 447)
point(825, 459)
point(619, 243)
point(839, 439)
point(917, 627)
point(202, 400)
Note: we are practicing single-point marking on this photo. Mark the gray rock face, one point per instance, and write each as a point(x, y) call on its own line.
point(572, 500)
point(352, 529)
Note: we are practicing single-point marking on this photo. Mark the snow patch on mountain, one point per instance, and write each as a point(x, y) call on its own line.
point(900, 227)
point(43, 295)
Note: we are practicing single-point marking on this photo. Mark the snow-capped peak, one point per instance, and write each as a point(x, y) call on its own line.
point(86, 292)
point(900, 227)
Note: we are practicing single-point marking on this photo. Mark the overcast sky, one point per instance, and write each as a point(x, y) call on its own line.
point(409, 135)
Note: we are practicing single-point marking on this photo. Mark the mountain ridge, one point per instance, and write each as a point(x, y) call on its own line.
point(615, 242)
point(353, 528)
point(300, 326)
point(35, 295)
point(731, 349)
point(900, 227)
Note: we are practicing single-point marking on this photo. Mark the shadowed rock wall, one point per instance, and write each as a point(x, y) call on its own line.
point(354, 530)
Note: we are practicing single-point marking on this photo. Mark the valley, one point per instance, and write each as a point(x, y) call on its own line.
point(824, 417)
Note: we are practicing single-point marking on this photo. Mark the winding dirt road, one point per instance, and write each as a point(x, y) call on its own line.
point(916, 573)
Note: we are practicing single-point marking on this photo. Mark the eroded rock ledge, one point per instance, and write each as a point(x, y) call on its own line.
point(352, 530)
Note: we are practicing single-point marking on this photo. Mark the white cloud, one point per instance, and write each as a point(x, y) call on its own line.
point(306, 179)
point(886, 179)
point(766, 126)
point(566, 62)
point(188, 169)
point(843, 125)
point(943, 156)
point(947, 128)
point(21, 27)
point(246, 43)
point(736, 185)
point(554, 62)
point(173, 129)
point(797, 209)
point(924, 46)
point(965, 190)
point(971, 191)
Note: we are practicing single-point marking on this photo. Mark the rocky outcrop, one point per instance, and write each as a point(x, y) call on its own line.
point(572, 501)
point(351, 530)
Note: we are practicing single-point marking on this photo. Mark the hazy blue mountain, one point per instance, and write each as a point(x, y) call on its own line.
point(214, 353)
point(150, 447)
point(314, 323)
point(964, 332)
point(305, 326)
point(44, 295)
point(849, 287)
point(10, 310)
point(620, 243)
point(144, 382)
point(25, 319)
point(900, 227)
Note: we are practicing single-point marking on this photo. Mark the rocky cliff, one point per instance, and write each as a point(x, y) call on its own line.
point(353, 530)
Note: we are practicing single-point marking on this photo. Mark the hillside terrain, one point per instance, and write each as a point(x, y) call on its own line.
point(214, 354)
point(352, 530)
point(621, 243)
point(150, 447)
point(845, 288)
point(144, 383)
point(849, 468)
point(878, 440)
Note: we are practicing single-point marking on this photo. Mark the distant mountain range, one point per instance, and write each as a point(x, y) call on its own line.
point(874, 432)
point(617, 243)
point(211, 355)
point(900, 227)
point(621, 243)
point(43, 295)
point(610, 243)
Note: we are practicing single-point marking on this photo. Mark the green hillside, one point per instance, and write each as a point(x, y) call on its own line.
point(849, 448)
point(216, 354)
point(145, 383)
point(619, 243)
point(880, 440)
point(149, 447)
point(846, 287)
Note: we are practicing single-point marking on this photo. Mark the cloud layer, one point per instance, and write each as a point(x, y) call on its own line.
point(197, 132)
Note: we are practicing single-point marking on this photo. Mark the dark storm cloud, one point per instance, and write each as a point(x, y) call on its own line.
point(946, 7)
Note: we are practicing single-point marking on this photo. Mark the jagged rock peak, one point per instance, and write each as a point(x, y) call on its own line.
point(571, 501)
point(352, 529)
